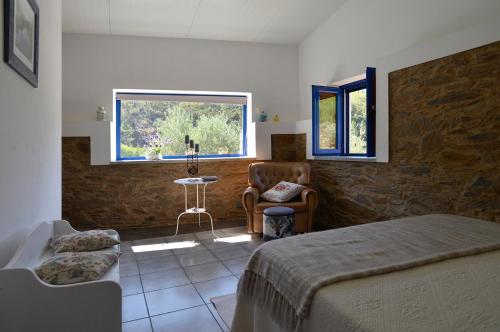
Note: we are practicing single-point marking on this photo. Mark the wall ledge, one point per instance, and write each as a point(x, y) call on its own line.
point(178, 161)
point(346, 158)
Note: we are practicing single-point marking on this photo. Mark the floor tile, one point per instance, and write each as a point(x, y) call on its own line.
point(230, 252)
point(209, 235)
point(126, 246)
point(131, 285)
point(127, 257)
point(128, 269)
point(197, 246)
point(141, 325)
point(236, 266)
point(235, 230)
point(196, 258)
point(217, 287)
point(217, 317)
point(140, 256)
point(153, 240)
point(181, 237)
point(172, 299)
point(133, 307)
point(206, 272)
point(212, 244)
point(157, 264)
point(164, 279)
point(251, 246)
point(189, 320)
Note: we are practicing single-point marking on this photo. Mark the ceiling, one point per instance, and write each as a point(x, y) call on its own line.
point(267, 21)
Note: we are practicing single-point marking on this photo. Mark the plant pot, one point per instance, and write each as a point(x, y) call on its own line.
point(153, 156)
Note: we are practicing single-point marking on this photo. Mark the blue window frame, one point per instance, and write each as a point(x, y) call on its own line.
point(345, 127)
point(220, 99)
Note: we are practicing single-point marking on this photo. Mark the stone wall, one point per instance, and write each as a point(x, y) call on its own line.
point(444, 131)
point(133, 195)
point(288, 147)
point(444, 158)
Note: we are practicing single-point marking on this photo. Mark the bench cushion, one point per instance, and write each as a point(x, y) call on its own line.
point(74, 267)
point(83, 241)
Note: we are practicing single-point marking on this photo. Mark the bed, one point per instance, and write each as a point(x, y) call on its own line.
point(456, 291)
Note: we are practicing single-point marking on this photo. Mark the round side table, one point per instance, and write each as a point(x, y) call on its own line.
point(197, 209)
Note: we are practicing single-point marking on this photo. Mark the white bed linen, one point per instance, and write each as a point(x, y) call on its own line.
point(461, 294)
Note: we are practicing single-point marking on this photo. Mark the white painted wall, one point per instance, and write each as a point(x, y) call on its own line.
point(389, 35)
point(30, 138)
point(94, 65)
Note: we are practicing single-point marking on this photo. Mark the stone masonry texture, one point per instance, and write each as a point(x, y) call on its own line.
point(444, 128)
point(133, 195)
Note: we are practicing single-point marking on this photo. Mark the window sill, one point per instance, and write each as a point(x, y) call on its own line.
point(177, 161)
point(345, 158)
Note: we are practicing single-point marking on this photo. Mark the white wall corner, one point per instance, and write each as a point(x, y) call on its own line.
point(100, 138)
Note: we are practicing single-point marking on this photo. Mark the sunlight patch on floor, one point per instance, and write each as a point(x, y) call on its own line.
point(235, 239)
point(164, 246)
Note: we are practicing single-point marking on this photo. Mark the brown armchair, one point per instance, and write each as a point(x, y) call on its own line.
point(263, 176)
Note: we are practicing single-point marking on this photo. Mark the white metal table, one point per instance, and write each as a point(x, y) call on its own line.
point(197, 209)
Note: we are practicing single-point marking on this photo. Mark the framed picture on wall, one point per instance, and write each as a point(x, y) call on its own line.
point(21, 30)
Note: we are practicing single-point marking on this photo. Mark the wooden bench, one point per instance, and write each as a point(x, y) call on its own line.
point(29, 304)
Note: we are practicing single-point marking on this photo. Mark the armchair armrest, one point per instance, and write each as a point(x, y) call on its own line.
point(310, 198)
point(249, 199)
point(310, 194)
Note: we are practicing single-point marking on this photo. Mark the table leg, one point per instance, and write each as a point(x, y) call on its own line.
point(178, 219)
point(211, 224)
point(197, 207)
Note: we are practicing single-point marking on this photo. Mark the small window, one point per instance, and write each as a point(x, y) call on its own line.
point(344, 118)
point(216, 122)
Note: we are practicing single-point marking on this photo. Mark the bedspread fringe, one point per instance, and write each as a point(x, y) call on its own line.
point(266, 296)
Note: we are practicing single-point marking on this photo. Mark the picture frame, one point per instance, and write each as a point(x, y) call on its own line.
point(21, 38)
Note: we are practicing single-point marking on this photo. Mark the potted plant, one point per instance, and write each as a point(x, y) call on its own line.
point(154, 146)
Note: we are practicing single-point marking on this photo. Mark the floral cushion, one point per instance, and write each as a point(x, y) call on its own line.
point(83, 241)
point(73, 267)
point(282, 192)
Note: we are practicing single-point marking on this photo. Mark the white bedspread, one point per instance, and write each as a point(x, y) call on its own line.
point(461, 294)
point(279, 276)
point(283, 276)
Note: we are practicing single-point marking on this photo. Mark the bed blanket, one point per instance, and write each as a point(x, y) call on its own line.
point(283, 275)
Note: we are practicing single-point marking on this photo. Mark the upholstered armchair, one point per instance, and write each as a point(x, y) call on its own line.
point(263, 176)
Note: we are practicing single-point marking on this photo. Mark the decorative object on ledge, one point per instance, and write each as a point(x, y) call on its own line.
point(154, 147)
point(101, 114)
point(209, 178)
point(192, 151)
point(276, 119)
point(262, 115)
point(21, 32)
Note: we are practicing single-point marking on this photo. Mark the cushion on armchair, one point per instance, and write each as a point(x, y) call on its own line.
point(283, 192)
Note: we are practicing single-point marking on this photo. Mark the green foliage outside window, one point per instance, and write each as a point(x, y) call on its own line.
point(357, 138)
point(218, 128)
point(328, 122)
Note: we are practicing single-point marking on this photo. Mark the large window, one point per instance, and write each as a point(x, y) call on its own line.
point(216, 122)
point(344, 118)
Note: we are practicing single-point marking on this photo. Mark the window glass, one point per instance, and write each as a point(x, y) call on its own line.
point(217, 127)
point(327, 120)
point(357, 122)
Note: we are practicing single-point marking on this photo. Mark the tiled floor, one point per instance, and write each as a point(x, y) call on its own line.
point(170, 289)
